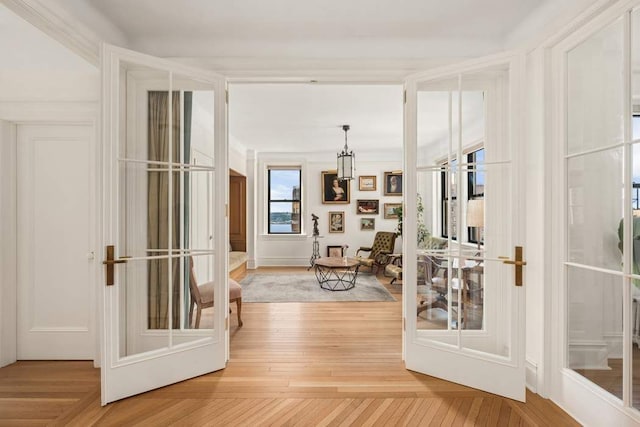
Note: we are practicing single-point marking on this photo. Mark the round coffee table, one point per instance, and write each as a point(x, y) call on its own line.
point(337, 274)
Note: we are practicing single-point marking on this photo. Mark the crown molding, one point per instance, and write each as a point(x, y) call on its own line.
point(60, 26)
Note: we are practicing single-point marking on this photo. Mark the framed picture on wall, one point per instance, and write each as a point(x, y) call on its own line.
point(368, 207)
point(367, 183)
point(334, 251)
point(336, 222)
point(393, 183)
point(367, 224)
point(333, 189)
point(390, 210)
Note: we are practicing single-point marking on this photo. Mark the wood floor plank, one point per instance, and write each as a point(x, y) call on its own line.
point(291, 364)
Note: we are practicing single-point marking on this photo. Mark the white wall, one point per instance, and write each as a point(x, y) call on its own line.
point(8, 243)
point(37, 68)
point(297, 250)
point(237, 156)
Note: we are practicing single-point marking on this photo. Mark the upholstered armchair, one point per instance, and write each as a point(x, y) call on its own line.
point(383, 244)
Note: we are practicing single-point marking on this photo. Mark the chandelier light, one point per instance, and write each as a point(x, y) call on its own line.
point(346, 160)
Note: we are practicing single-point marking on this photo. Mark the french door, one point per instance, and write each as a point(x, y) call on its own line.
point(464, 303)
point(156, 227)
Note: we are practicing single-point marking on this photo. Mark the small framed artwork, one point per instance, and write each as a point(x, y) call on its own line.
point(390, 210)
point(336, 222)
point(393, 183)
point(333, 189)
point(334, 251)
point(367, 183)
point(368, 207)
point(367, 224)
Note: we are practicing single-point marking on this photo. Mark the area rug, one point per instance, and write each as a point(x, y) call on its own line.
point(274, 287)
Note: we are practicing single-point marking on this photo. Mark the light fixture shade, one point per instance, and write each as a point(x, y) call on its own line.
point(475, 213)
point(346, 160)
point(346, 165)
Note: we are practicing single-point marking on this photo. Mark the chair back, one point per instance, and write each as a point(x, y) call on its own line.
point(383, 241)
point(193, 284)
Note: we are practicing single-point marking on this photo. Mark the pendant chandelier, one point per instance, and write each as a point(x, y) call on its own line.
point(346, 159)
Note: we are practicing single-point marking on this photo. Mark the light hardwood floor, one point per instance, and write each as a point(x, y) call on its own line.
point(291, 364)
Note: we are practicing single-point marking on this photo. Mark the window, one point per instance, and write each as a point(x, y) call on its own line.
point(285, 202)
point(475, 189)
point(449, 200)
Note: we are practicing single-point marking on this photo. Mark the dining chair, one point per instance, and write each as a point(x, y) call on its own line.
point(202, 296)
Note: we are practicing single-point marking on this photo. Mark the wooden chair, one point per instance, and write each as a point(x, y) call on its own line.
point(383, 244)
point(202, 296)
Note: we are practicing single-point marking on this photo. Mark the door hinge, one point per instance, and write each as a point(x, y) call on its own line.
point(226, 96)
point(226, 210)
point(404, 323)
point(404, 97)
point(226, 323)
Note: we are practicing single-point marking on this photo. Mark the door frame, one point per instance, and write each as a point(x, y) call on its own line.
point(578, 396)
point(40, 113)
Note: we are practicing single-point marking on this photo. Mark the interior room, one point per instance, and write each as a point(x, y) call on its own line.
point(283, 213)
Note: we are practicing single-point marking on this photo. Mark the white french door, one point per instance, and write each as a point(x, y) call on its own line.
point(156, 115)
point(465, 318)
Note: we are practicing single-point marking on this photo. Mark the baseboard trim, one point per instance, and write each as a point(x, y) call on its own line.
point(531, 375)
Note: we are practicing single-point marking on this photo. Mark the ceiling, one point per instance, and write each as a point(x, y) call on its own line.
point(286, 28)
point(309, 117)
point(295, 117)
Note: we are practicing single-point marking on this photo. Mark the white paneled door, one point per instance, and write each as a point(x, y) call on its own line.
point(164, 223)
point(55, 284)
point(464, 300)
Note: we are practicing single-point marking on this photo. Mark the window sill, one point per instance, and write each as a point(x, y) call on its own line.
point(284, 237)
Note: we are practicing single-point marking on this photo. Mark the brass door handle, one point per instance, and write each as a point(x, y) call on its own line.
point(518, 262)
point(110, 262)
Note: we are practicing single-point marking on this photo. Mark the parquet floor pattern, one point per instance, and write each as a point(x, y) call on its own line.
point(323, 364)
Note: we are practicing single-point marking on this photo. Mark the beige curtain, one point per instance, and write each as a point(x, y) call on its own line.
point(158, 209)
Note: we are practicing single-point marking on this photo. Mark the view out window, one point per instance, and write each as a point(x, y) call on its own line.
point(475, 188)
point(285, 203)
point(448, 200)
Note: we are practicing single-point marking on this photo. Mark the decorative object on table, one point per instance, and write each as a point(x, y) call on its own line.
point(368, 207)
point(315, 252)
point(346, 160)
point(336, 222)
point(367, 183)
point(344, 250)
point(391, 210)
point(314, 218)
point(333, 189)
point(335, 251)
point(475, 217)
point(382, 247)
point(367, 224)
point(393, 183)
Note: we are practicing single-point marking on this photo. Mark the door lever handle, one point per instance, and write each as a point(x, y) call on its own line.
point(518, 262)
point(110, 262)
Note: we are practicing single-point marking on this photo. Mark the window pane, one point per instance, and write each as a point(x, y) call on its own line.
point(595, 92)
point(594, 208)
point(284, 184)
point(594, 345)
point(284, 217)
